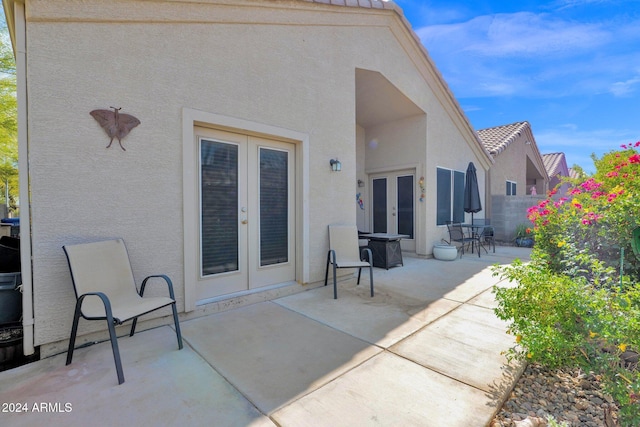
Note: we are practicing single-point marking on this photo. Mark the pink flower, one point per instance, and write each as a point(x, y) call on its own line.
point(637, 144)
point(590, 218)
point(591, 184)
point(635, 158)
point(612, 174)
point(560, 202)
point(575, 191)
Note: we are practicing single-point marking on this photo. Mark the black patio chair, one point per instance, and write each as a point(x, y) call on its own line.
point(486, 233)
point(456, 234)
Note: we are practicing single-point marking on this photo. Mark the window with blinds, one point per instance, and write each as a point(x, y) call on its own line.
point(450, 196)
point(274, 206)
point(405, 205)
point(218, 207)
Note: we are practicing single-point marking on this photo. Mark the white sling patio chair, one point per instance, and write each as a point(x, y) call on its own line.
point(105, 290)
point(343, 253)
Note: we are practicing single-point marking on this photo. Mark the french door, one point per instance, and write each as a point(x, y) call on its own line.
point(393, 205)
point(246, 212)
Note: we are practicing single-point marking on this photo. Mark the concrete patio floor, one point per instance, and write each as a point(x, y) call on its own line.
point(425, 351)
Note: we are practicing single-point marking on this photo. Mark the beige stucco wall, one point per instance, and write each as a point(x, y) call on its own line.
point(444, 150)
point(511, 165)
point(288, 65)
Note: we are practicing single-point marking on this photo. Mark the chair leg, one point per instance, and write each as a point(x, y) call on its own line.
point(326, 271)
point(331, 259)
point(335, 282)
point(110, 324)
point(114, 347)
point(371, 278)
point(175, 320)
point(74, 330)
point(359, 272)
point(133, 326)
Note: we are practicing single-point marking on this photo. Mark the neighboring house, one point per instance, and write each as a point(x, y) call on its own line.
point(576, 174)
point(556, 166)
point(517, 174)
point(226, 184)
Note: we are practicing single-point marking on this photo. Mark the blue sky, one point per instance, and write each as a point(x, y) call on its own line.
point(571, 68)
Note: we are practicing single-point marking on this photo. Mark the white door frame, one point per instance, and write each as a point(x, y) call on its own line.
point(391, 176)
point(192, 118)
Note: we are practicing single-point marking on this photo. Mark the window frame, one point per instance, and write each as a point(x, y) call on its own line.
point(511, 188)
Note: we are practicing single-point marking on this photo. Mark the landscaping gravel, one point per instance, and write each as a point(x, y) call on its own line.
point(573, 397)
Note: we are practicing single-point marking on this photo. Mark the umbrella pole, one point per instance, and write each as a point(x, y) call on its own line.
point(473, 235)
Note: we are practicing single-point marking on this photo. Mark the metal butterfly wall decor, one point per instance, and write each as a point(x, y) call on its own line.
point(116, 125)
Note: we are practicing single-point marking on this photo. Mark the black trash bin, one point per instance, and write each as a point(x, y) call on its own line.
point(10, 297)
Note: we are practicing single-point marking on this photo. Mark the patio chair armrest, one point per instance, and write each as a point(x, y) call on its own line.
point(160, 276)
point(331, 256)
point(105, 302)
point(367, 252)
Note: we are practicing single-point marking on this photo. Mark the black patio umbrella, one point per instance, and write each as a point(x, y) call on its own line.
point(472, 202)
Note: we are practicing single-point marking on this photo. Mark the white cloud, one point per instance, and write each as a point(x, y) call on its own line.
point(516, 34)
point(540, 55)
point(578, 145)
point(625, 88)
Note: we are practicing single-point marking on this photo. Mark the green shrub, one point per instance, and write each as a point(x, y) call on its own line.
point(577, 303)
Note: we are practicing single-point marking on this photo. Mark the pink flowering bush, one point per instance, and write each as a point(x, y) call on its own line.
point(593, 222)
point(577, 303)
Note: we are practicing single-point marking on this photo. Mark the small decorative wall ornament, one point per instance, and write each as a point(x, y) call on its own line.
point(422, 191)
point(359, 200)
point(116, 125)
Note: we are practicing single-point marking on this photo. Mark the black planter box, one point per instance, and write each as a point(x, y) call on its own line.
point(10, 344)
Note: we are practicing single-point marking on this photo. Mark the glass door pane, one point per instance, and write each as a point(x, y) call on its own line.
point(405, 205)
point(380, 205)
point(274, 206)
point(218, 207)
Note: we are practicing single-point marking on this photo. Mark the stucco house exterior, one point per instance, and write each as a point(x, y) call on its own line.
point(556, 166)
point(517, 176)
point(226, 183)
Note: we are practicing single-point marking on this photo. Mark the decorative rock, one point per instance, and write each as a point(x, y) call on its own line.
point(582, 405)
point(568, 396)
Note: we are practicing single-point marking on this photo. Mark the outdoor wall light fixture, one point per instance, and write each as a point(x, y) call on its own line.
point(360, 183)
point(336, 166)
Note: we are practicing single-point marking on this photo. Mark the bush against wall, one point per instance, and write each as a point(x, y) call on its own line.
point(577, 303)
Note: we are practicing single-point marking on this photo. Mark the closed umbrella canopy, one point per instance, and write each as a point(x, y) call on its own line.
point(472, 202)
